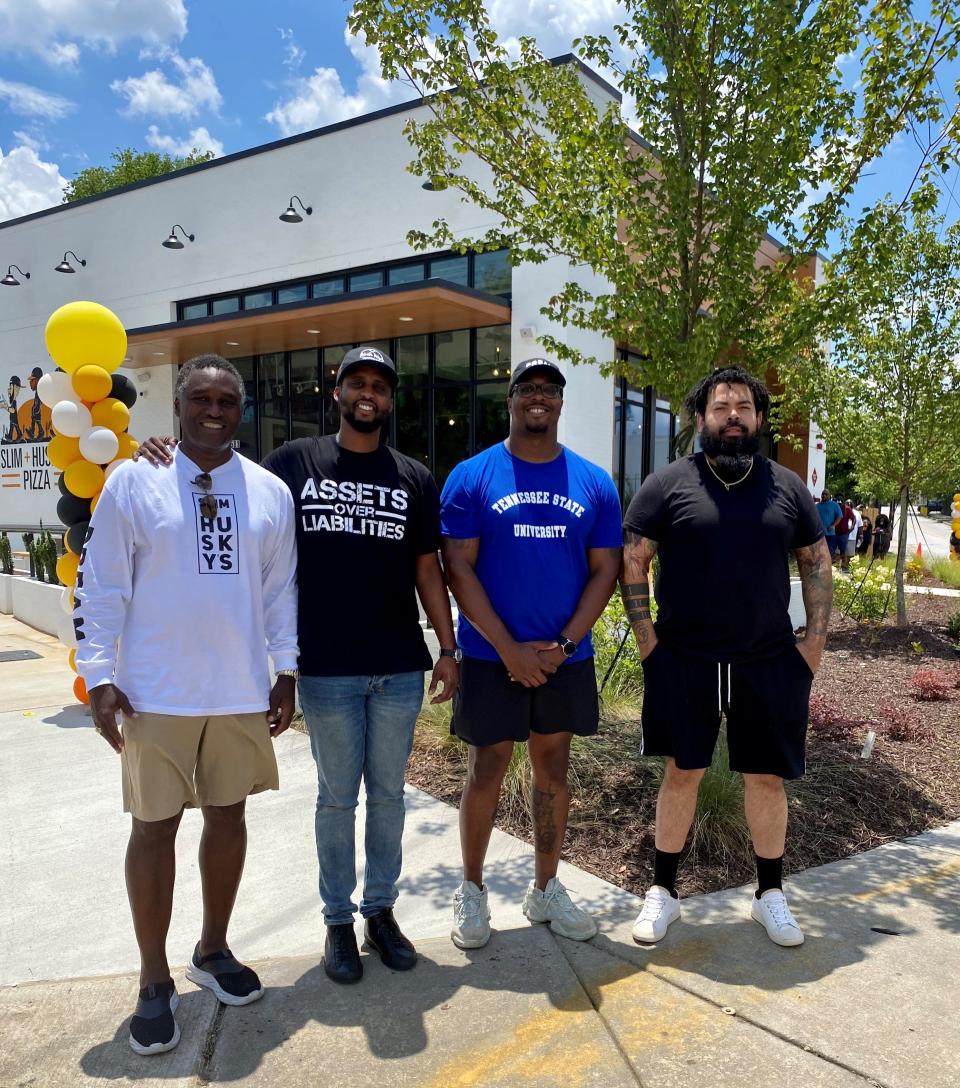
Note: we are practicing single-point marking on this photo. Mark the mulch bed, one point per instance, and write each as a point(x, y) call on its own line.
point(843, 805)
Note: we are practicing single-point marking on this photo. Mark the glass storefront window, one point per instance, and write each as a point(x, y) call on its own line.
point(247, 432)
point(332, 357)
point(451, 429)
point(661, 443)
point(492, 418)
point(195, 309)
point(366, 281)
point(273, 400)
point(454, 269)
point(305, 395)
point(412, 413)
point(453, 356)
point(326, 288)
point(413, 360)
point(493, 352)
point(406, 273)
point(226, 305)
point(492, 273)
point(256, 300)
point(296, 293)
point(632, 472)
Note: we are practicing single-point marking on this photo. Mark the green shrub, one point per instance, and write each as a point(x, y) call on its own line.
point(953, 627)
point(866, 595)
point(720, 833)
point(6, 554)
point(946, 570)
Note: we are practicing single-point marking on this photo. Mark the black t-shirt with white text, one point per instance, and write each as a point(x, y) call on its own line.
point(362, 520)
point(723, 590)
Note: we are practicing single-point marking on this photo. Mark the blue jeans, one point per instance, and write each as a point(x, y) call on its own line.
point(360, 726)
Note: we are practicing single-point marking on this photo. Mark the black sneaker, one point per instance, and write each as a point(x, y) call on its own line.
point(341, 957)
point(153, 1028)
point(382, 934)
point(233, 983)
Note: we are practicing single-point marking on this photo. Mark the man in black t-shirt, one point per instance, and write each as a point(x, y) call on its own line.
point(723, 523)
point(368, 531)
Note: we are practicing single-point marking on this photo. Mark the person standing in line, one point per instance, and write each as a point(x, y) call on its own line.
point(531, 546)
point(830, 513)
point(367, 532)
point(882, 534)
point(846, 533)
point(723, 643)
point(187, 581)
point(865, 540)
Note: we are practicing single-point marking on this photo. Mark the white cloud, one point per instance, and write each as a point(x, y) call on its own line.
point(554, 23)
point(27, 184)
point(295, 54)
point(30, 101)
point(54, 29)
point(198, 140)
point(154, 93)
point(63, 55)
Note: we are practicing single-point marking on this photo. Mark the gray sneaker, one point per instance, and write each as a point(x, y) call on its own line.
point(555, 906)
point(471, 916)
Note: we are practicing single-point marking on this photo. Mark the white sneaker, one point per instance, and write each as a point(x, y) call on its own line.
point(772, 912)
point(471, 916)
point(555, 906)
point(659, 910)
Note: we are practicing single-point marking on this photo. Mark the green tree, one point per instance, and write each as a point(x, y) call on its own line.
point(128, 166)
point(743, 113)
point(889, 398)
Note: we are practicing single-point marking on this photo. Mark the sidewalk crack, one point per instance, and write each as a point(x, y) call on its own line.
point(205, 1057)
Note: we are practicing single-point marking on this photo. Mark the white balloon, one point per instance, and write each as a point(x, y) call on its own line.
point(71, 418)
point(66, 632)
point(65, 603)
point(52, 388)
point(99, 445)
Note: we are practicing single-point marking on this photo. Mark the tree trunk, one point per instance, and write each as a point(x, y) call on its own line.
point(902, 558)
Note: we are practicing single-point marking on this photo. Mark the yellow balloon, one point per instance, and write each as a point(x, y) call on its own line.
point(111, 413)
point(91, 383)
point(83, 479)
point(72, 656)
point(95, 500)
point(67, 568)
point(85, 333)
point(128, 446)
point(63, 450)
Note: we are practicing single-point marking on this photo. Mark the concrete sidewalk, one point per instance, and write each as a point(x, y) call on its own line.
point(869, 999)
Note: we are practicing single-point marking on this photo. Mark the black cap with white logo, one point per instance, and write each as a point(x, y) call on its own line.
point(367, 356)
point(528, 366)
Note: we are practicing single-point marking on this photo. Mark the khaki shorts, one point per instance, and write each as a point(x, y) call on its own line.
point(169, 762)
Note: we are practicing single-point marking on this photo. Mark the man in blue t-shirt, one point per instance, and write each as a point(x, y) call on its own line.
point(830, 512)
point(531, 545)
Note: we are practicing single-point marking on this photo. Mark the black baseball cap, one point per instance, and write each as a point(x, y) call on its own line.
point(367, 356)
point(521, 370)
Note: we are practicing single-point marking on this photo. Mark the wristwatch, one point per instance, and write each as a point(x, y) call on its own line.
point(294, 674)
point(568, 646)
point(456, 653)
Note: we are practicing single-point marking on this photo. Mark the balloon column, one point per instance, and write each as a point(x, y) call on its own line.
point(90, 411)
point(955, 527)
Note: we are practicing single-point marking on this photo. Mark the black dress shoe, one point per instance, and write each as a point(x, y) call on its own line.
point(341, 958)
point(382, 933)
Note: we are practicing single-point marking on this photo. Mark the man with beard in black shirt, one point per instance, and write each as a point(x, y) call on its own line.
point(723, 523)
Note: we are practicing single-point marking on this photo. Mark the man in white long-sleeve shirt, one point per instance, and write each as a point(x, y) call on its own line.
point(186, 584)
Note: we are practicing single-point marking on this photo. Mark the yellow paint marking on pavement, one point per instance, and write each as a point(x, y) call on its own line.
point(933, 876)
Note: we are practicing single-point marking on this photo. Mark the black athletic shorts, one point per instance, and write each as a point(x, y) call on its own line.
point(766, 704)
point(489, 707)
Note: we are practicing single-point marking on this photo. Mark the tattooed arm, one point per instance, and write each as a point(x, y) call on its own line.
point(638, 553)
point(816, 581)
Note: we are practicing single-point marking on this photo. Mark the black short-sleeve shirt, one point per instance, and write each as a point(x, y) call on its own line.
point(723, 590)
point(362, 520)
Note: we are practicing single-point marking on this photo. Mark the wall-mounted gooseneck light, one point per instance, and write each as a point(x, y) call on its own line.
point(173, 242)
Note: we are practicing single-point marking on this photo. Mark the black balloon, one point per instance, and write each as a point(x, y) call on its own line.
point(76, 535)
point(124, 389)
point(62, 485)
point(71, 510)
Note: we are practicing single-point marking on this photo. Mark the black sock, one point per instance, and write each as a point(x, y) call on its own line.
point(769, 873)
point(665, 870)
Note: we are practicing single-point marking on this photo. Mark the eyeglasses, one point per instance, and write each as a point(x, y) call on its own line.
point(551, 390)
point(208, 503)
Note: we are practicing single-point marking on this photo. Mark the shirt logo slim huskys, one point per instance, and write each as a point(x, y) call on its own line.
point(218, 546)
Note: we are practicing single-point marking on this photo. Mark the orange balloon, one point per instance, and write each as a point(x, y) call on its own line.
point(80, 690)
point(83, 479)
point(67, 568)
point(62, 450)
point(72, 659)
point(111, 413)
point(95, 500)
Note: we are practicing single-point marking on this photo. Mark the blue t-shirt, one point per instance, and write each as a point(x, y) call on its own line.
point(829, 512)
point(535, 523)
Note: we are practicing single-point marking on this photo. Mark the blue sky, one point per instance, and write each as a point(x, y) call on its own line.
point(79, 78)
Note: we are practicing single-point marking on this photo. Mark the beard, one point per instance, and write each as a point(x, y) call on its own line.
point(731, 456)
point(363, 426)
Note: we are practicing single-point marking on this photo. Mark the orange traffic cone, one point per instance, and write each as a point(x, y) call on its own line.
point(919, 550)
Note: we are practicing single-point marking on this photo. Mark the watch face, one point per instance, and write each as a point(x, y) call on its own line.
point(569, 648)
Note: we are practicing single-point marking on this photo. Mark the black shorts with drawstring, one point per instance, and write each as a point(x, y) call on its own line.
point(766, 704)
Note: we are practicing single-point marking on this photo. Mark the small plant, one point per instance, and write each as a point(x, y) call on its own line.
point(931, 685)
point(946, 570)
point(917, 648)
point(27, 539)
point(915, 569)
point(953, 627)
point(719, 829)
point(6, 556)
point(903, 724)
point(830, 722)
point(865, 596)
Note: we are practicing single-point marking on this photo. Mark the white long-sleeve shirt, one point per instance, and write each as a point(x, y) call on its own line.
point(178, 610)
